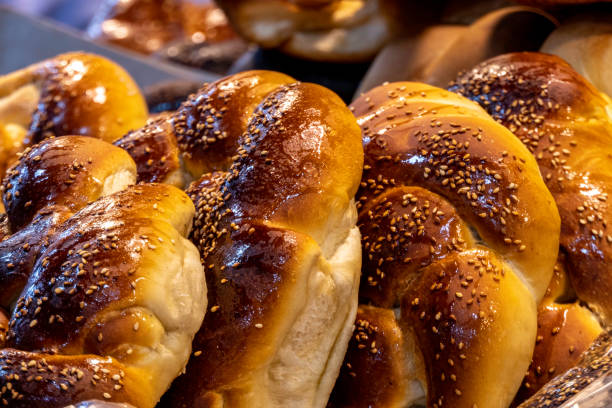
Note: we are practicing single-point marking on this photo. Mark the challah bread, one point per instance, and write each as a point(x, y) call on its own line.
point(565, 330)
point(155, 150)
point(205, 129)
point(459, 233)
point(323, 30)
point(69, 171)
point(50, 182)
point(92, 314)
point(99, 318)
point(565, 122)
point(586, 44)
point(567, 125)
point(376, 370)
point(74, 93)
point(278, 238)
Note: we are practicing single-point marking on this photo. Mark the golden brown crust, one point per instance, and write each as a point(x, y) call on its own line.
point(38, 380)
point(457, 311)
point(293, 131)
point(403, 230)
point(50, 182)
point(565, 330)
point(262, 229)
point(594, 365)
point(208, 125)
point(85, 94)
point(206, 128)
point(564, 121)
point(471, 161)
point(272, 153)
point(253, 274)
point(154, 149)
point(374, 363)
point(89, 297)
point(65, 172)
point(19, 251)
point(92, 313)
point(451, 209)
point(84, 271)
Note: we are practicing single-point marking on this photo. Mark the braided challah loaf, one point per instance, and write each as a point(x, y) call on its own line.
point(71, 94)
point(202, 135)
point(276, 229)
point(567, 125)
point(104, 290)
point(460, 237)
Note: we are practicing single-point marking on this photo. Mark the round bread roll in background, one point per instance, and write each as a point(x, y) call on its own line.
point(71, 94)
point(325, 30)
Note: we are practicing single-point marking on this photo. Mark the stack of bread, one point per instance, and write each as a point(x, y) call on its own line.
point(265, 245)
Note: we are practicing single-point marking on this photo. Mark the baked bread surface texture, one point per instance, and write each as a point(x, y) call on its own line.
point(277, 164)
point(103, 290)
point(566, 124)
point(70, 94)
point(459, 240)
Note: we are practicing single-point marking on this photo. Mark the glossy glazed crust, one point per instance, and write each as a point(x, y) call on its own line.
point(417, 135)
point(19, 251)
point(300, 140)
point(155, 151)
point(374, 363)
point(39, 380)
point(84, 94)
point(334, 30)
point(449, 206)
point(77, 292)
point(208, 125)
point(206, 128)
point(253, 285)
point(64, 172)
point(565, 330)
point(459, 312)
point(565, 122)
point(99, 313)
point(270, 233)
point(423, 228)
